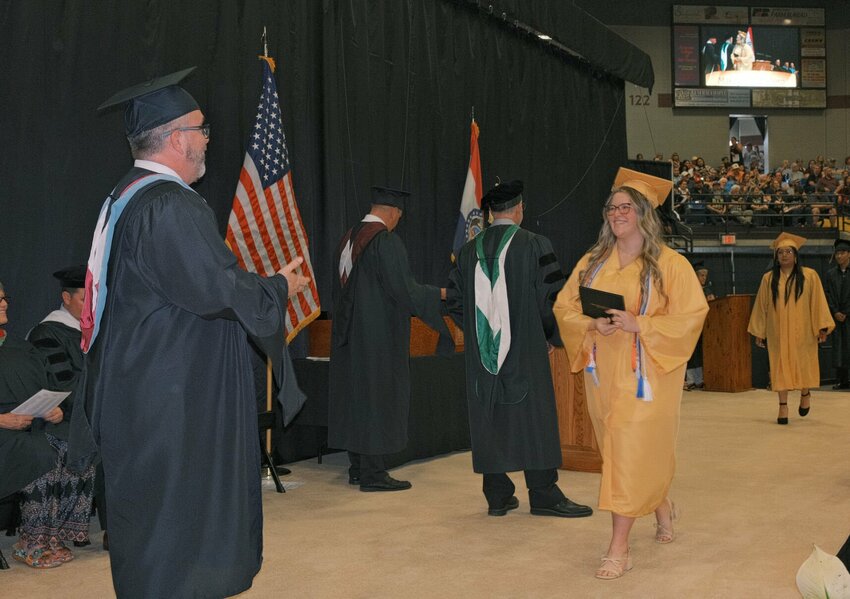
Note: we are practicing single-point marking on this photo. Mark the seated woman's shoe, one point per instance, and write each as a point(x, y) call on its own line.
point(614, 567)
point(60, 552)
point(782, 419)
point(808, 397)
point(35, 556)
point(663, 534)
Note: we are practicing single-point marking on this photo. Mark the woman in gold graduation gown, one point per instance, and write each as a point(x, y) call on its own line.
point(635, 360)
point(792, 314)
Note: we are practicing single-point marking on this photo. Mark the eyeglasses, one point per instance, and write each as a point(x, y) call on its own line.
point(204, 129)
point(5, 298)
point(783, 251)
point(624, 209)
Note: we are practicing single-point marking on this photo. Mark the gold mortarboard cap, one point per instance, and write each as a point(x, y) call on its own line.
point(654, 189)
point(788, 240)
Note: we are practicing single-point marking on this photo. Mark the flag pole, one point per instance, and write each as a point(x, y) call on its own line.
point(265, 40)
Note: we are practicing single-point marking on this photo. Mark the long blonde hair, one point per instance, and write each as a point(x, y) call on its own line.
point(650, 229)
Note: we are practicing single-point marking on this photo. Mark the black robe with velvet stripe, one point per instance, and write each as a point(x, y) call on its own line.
point(513, 421)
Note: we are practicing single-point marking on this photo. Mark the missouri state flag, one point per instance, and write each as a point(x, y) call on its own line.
point(470, 221)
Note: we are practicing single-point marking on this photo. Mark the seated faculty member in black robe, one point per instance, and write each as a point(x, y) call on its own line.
point(501, 292)
point(375, 295)
point(836, 284)
point(168, 388)
point(57, 337)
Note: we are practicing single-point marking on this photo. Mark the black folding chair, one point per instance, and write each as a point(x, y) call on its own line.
point(10, 517)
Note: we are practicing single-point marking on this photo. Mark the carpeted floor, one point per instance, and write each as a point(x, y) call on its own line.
point(754, 496)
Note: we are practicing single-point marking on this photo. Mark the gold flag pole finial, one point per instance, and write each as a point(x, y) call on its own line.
point(265, 55)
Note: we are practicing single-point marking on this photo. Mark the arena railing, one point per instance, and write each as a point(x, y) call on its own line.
point(727, 212)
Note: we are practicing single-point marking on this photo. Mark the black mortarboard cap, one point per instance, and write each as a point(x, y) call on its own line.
point(73, 276)
point(503, 196)
point(699, 265)
point(841, 244)
point(389, 197)
point(154, 102)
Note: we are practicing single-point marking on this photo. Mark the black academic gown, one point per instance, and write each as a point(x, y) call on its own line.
point(24, 455)
point(837, 288)
point(169, 395)
point(512, 416)
point(369, 386)
point(60, 345)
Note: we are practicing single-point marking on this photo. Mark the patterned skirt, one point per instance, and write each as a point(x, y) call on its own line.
point(57, 506)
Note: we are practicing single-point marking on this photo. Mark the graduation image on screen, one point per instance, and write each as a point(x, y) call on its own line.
point(747, 56)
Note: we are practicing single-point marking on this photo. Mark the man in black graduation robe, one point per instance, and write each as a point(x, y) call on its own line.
point(168, 385)
point(512, 415)
point(375, 295)
point(836, 284)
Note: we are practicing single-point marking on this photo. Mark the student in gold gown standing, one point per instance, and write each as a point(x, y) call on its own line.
point(792, 314)
point(634, 360)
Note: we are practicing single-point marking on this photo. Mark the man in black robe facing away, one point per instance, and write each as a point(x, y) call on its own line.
point(501, 292)
point(375, 295)
point(836, 284)
point(168, 386)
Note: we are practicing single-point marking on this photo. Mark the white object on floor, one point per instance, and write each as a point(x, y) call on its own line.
point(823, 576)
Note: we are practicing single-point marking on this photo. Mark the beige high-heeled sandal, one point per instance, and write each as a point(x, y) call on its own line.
point(664, 535)
point(614, 567)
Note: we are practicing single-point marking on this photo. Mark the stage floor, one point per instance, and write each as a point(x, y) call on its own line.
point(755, 496)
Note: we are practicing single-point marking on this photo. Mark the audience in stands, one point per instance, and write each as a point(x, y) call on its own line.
point(741, 191)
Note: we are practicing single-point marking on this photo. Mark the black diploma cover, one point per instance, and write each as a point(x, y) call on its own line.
point(594, 302)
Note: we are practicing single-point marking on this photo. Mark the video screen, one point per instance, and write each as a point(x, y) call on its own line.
point(750, 56)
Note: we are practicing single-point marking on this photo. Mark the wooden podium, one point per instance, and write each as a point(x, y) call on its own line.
point(727, 360)
point(579, 450)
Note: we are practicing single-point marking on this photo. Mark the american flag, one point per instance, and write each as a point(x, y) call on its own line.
point(264, 230)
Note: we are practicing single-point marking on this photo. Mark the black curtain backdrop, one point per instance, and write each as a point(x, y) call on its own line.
point(372, 93)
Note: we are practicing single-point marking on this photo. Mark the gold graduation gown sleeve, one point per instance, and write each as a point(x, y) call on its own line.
point(637, 439)
point(791, 330)
point(821, 317)
point(757, 326)
point(572, 324)
point(669, 334)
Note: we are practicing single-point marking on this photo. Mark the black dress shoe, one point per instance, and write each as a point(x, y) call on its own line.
point(841, 386)
point(353, 480)
point(82, 543)
point(564, 509)
point(388, 484)
point(510, 504)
